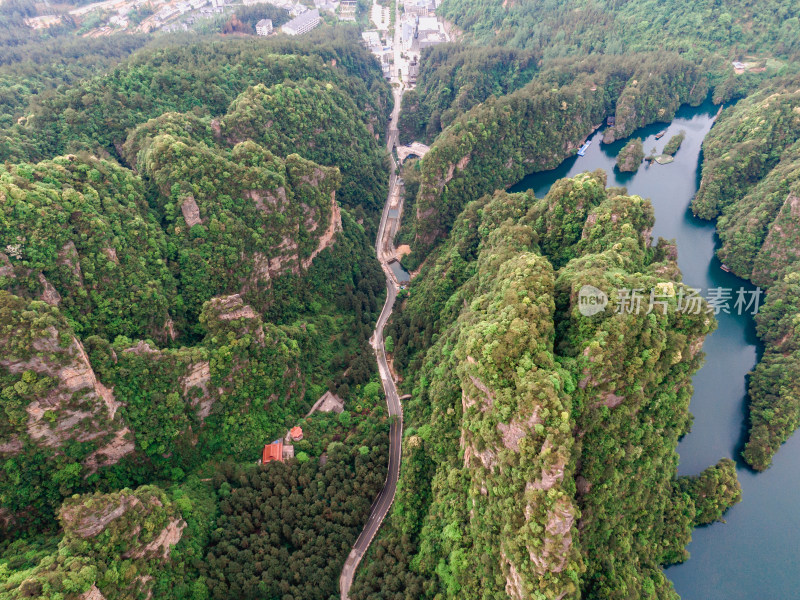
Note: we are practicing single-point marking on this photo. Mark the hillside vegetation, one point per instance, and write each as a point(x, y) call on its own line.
point(454, 78)
point(187, 266)
point(498, 142)
point(539, 451)
point(631, 156)
point(751, 181)
point(554, 29)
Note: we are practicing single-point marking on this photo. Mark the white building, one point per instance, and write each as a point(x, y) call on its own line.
point(372, 41)
point(408, 32)
point(430, 32)
point(264, 27)
point(427, 25)
point(347, 10)
point(327, 6)
point(297, 10)
point(302, 24)
point(421, 8)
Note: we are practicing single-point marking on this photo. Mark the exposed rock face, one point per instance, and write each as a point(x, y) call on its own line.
point(268, 201)
point(78, 407)
point(514, 586)
point(169, 329)
point(232, 307)
point(139, 523)
point(141, 348)
point(49, 293)
point(6, 268)
point(553, 554)
point(485, 397)
point(631, 156)
point(516, 430)
point(138, 527)
point(11, 446)
point(199, 376)
point(327, 238)
point(111, 254)
point(93, 594)
point(227, 309)
point(68, 255)
point(88, 523)
point(163, 543)
point(191, 212)
point(111, 453)
point(782, 245)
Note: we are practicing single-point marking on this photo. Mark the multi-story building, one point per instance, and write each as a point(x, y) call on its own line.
point(372, 41)
point(347, 10)
point(302, 24)
point(264, 27)
point(408, 32)
point(429, 32)
point(413, 71)
point(421, 8)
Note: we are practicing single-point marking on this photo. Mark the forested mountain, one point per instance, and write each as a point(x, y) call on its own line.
point(556, 28)
point(498, 142)
point(32, 68)
point(503, 44)
point(539, 455)
point(205, 77)
point(186, 266)
point(751, 181)
point(453, 79)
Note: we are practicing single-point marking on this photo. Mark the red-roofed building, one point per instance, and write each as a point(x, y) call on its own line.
point(296, 433)
point(273, 451)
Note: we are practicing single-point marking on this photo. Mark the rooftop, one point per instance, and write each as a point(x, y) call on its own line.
point(428, 24)
point(273, 451)
point(310, 16)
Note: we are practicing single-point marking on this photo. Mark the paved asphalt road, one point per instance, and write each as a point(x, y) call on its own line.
point(382, 504)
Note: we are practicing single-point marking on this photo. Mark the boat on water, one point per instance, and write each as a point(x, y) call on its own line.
point(661, 134)
point(582, 149)
point(725, 268)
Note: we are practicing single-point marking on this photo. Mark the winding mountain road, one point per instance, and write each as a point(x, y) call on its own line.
point(385, 250)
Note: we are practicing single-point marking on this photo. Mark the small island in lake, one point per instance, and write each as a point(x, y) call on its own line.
point(631, 156)
point(674, 143)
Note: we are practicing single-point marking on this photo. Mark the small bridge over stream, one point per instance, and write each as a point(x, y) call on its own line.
point(413, 149)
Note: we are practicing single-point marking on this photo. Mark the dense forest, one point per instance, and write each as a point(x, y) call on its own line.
point(453, 79)
point(751, 181)
point(213, 537)
point(186, 267)
point(187, 264)
point(283, 532)
point(539, 453)
point(498, 142)
point(631, 156)
point(555, 29)
point(96, 114)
